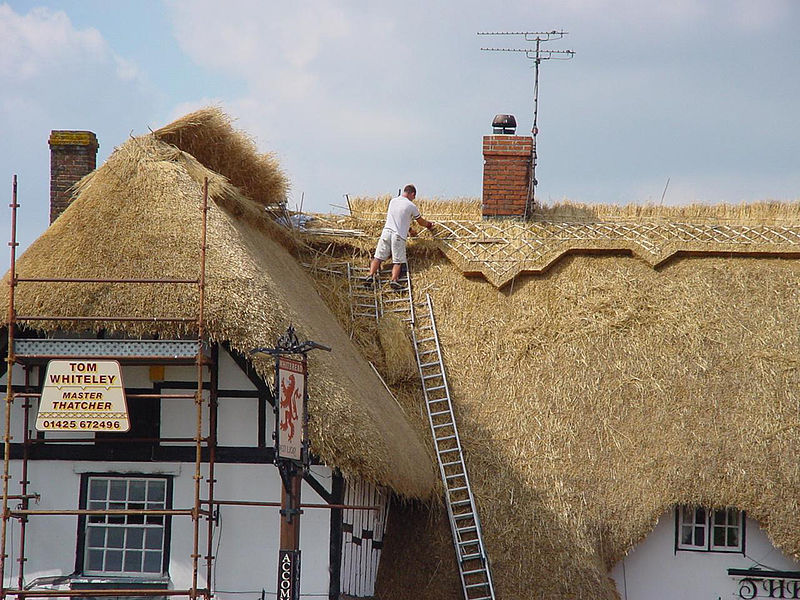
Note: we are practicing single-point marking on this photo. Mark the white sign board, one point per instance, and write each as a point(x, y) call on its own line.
point(292, 382)
point(83, 395)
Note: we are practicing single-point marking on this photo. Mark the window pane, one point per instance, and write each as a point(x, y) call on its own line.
point(156, 491)
point(152, 562)
point(95, 562)
point(719, 536)
point(153, 539)
point(719, 517)
point(135, 538)
point(733, 516)
point(119, 489)
point(733, 537)
point(114, 560)
point(135, 519)
point(136, 491)
point(96, 537)
point(699, 536)
point(98, 489)
point(133, 561)
point(686, 535)
point(116, 537)
point(700, 516)
point(154, 520)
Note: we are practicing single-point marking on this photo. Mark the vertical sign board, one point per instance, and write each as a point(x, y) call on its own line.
point(290, 424)
point(83, 395)
point(289, 575)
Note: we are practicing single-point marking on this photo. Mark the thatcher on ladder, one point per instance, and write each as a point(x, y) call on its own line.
point(392, 242)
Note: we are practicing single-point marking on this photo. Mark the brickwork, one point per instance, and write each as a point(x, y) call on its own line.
point(506, 174)
point(73, 154)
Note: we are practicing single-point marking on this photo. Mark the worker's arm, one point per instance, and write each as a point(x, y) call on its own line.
point(424, 222)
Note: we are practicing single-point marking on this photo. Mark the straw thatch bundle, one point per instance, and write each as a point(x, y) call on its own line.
point(401, 362)
point(138, 216)
point(209, 136)
point(594, 397)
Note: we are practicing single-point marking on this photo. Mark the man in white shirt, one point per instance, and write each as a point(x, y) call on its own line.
point(392, 242)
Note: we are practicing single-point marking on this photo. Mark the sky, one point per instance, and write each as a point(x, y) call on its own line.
point(674, 102)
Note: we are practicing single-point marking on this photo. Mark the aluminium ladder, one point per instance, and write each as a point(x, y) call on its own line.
point(473, 563)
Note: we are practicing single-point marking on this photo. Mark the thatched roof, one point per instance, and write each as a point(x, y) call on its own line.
point(138, 215)
point(593, 397)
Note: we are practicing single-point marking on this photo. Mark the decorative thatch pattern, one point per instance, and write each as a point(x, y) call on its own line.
point(595, 396)
point(139, 215)
point(502, 249)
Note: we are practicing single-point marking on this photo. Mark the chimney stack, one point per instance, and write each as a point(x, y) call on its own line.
point(507, 160)
point(73, 154)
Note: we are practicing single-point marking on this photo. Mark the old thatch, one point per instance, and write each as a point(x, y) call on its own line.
point(594, 396)
point(139, 215)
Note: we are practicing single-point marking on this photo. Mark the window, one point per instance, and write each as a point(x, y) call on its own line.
point(706, 530)
point(124, 544)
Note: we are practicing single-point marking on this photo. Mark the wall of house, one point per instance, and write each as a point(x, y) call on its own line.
point(655, 571)
point(245, 540)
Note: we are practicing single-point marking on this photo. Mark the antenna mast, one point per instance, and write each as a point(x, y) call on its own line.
point(537, 54)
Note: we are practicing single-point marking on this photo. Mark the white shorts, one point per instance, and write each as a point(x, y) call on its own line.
point(391, 244)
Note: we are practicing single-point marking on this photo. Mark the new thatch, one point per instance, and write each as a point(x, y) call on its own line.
point(139, 216)
point(593, 397)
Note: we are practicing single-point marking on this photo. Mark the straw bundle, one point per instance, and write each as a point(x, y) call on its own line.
point(209, 136)
point(401, 363)
point(139, 216)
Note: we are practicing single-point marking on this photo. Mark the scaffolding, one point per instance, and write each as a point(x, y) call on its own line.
point(29, 352)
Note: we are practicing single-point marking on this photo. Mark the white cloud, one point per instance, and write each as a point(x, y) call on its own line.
point(31, 44)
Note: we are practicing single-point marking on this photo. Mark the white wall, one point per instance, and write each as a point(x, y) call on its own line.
point(654, 571)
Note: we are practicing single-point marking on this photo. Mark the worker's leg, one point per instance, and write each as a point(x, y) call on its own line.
point(396, 268)
point(398, 256)
point(374, 266)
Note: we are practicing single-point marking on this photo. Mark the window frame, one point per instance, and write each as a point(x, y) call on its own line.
point(709, 525)
point(81, 568)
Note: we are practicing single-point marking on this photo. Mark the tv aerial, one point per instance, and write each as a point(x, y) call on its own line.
point(537, 54)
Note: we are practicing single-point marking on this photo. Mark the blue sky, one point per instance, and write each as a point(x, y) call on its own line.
point(362, 97)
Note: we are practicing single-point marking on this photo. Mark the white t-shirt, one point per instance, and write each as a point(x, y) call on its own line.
point(401, 212)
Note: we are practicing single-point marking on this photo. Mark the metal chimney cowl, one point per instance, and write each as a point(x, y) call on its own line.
point(504, 124)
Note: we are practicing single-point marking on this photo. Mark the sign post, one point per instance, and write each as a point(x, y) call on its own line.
point(291, 449)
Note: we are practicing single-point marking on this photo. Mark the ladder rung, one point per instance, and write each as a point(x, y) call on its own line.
point(446, 450)
point(455, 475)
point(460, 502)
point(426, 377)
point(440, 425)
point(468, 515)
point(422, 341)
point(475, 572)
point(474, 585)
point(432, 400)
point(467, 557)
point(441, 412)
point(437, 387)
point(445, 438)
point(429, 364)
point(475, 542)
point(450, 464)
point(458, 489)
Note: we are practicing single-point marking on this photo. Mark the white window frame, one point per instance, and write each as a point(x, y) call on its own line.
point(129, 526)
point(707, 524)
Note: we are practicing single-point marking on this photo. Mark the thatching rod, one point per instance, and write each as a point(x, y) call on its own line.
point(278, 504)
point(133, 319)
point(9, 388)
point(87, 512)
point(20, 593)
point(100, 280)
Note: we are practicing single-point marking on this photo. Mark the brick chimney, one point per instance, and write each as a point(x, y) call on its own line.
point(73, 154)
point(507, 160)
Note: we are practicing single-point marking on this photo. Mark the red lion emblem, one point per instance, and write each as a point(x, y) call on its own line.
point(289, 397)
